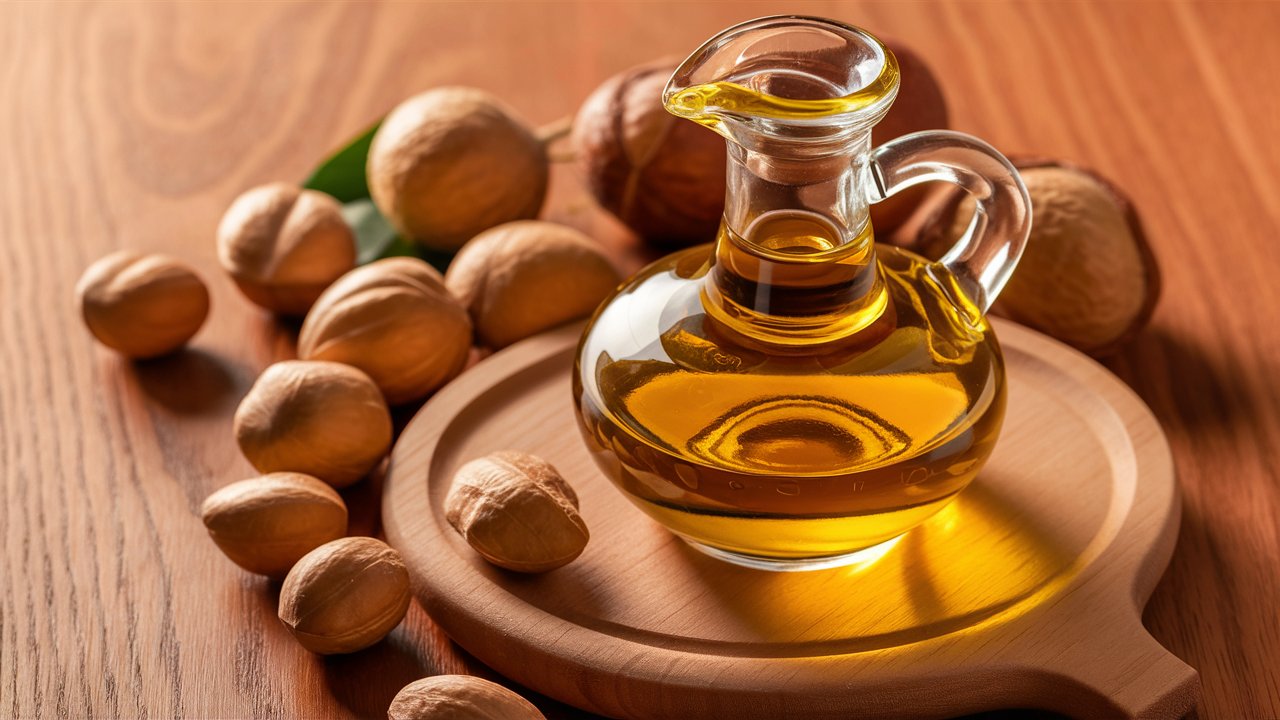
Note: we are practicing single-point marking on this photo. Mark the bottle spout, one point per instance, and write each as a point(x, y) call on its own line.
point(786, 71)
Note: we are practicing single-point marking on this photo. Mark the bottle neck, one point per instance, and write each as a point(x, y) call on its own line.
point(788, 172)
point(794, 262)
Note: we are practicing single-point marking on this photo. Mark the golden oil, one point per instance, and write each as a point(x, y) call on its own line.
point(792, 396)
point(777, 97)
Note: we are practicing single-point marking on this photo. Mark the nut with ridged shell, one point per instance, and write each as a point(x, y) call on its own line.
point(517, 512)
point(284, 245)
point(394, 320)
point(662, 176)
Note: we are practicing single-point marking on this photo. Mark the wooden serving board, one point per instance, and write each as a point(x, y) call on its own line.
point(1026, 592)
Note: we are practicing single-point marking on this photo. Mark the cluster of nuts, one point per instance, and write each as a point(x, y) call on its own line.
point(387, 333)
point(340, 594)
point(454, 171)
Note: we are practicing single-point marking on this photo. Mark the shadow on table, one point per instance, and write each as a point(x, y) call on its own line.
point(1190, 389)
point(190, 381)
point(365, 682)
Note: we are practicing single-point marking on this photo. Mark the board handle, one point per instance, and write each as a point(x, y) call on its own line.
point(1124, 674)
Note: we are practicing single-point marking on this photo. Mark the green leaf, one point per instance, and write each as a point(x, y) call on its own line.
point(377, 239)
point(342, 174)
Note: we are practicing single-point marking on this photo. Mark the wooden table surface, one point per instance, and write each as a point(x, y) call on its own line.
point(133, 126)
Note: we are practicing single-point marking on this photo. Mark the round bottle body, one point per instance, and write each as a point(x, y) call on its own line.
point(789, 457)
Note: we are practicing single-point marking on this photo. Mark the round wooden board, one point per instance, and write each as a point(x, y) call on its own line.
point(1026, 592)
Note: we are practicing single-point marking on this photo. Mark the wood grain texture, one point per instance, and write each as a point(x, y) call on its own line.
point(133, 126)
point(1025, 592)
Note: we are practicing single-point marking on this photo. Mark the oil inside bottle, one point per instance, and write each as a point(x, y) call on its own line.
point(790, 395)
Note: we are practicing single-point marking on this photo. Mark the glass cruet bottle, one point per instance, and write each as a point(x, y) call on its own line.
point(793, 393)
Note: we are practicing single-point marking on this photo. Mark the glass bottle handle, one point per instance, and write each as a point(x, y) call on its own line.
point(984, 257)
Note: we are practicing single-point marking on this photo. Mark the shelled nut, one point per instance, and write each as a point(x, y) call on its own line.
point(320, 418)
point(142, 305)
point(266, 524)
point(284, 245)
point(394, 320)
point(524, 277)
point(1087, 276)
point(345, 595)
point(459, 697)
point(453, 161)
point(517, 512)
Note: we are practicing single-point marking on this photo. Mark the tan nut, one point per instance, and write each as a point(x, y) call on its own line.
point(345, 595)
point(266, 524)
point(459, 697)
point(524, 277)
point(320, 418)
point(517, 512)
point(661, 176)
point(452, 162)
point(1087, 276)
point(394, 320)
point(284, 245)
point(142, 305)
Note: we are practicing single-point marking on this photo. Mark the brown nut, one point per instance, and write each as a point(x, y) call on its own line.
point(320, 418)
point(266, 524)
point(920, 105)
point(345, 595)
point(517, 512)
point(394, 320)
point(459, 697)
point(662, 176)
point(1087, 276)
point(284, 245)
point(452, 162)
point(524, 277)
point(142, 305)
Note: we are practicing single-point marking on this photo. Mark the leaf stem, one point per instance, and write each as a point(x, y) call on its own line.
point(551, 134)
